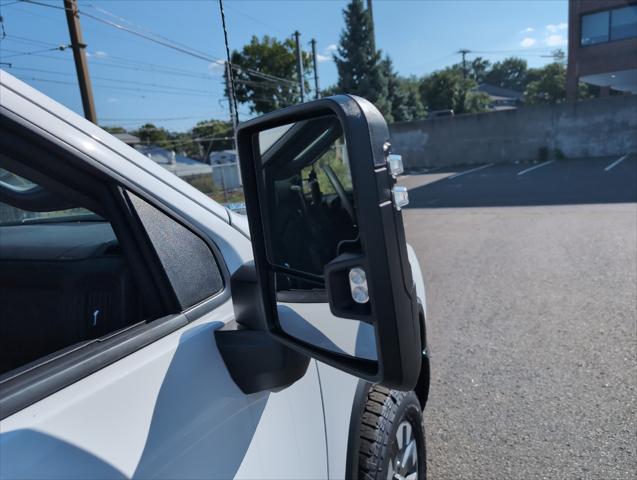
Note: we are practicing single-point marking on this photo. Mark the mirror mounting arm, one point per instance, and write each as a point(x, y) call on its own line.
point(255, 359)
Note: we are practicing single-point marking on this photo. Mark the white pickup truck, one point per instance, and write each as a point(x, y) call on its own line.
point(148, 332)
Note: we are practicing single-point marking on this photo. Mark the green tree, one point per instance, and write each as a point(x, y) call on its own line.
point(442, 90)
point(360, 70)
point(213, 135)
point(511, 73)
point(550, 87)
point(149, 133)
point(396, 95)
point(448, 90)
point(413, 107)
point(476, 102)
point(114, 129)
point(478, 69)
point(258, 63)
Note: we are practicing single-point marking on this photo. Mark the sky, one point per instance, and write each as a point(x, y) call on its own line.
point(137, 81)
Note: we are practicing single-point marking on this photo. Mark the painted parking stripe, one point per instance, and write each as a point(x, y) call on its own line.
point(615, 163)
point(456, 175)
point(535, 167)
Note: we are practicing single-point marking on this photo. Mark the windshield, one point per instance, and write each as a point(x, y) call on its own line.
point(20, 191)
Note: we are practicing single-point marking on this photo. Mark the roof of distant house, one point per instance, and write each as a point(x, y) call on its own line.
point(127, 138)
point(163, 156)
point(183, 166)
point(220, 156)
point(495, 91)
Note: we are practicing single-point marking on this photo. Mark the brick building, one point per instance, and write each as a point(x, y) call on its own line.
point(602, 47)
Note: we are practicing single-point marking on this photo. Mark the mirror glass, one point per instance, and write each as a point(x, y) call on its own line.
point(309, 211)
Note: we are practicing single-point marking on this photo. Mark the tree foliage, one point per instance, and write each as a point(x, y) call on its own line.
point(205, 137)
point(414, 109)
point(478, 69)
point(511, 73)
point(476, 102)
point(549, 87)
point(114, 129)
point(213, 135)
point(149, 133)
point(270, 58)
point(359, 65)
point(402, 95)
point(448, 89)
point(442, 90)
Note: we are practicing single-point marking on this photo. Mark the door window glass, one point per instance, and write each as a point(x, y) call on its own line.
point(63, 277)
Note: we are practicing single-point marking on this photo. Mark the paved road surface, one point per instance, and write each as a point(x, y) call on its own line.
point(532, 296)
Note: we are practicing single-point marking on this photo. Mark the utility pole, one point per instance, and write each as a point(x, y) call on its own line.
point(317, 91)
point(79, 55)
point(371, 22)
point(299, 63)
point(230, 94)
point(464, 52)
point(233, 118)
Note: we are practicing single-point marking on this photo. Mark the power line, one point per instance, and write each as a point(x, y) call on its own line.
point(112, 61)
point(159, 39)
point(254, 19)
point(32, 41)
point(20, 54)
point(118, 80)
point(113, 87)
point(153, 119)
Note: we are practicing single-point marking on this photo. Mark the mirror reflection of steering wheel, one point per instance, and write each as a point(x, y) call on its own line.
point(340, 191)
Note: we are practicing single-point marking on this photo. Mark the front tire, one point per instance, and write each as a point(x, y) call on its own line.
point(392, 440)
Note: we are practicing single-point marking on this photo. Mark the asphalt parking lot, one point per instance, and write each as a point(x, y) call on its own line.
point(531, 275)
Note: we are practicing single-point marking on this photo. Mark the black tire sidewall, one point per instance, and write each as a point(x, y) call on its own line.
point(383, 413)
point(407, 409)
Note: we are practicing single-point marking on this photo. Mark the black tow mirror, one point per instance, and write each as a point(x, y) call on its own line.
point(328, 237)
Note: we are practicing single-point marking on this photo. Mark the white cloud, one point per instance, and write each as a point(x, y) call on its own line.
point(554, 28)
point(528, 42)
point(328, 51)
point(217, 67)
point(528, 30)
point(555, 41)
point(112, 100)
point(100, 54)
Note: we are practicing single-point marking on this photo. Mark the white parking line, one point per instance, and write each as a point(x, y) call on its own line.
point(615, 163)
point(534, 167)
point(456, 175)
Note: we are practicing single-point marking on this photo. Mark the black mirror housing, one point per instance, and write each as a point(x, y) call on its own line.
point(392, 308)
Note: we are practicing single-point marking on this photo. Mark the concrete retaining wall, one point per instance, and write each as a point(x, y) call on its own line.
point(592, 128)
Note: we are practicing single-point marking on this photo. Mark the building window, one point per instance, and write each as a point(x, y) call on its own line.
point(616, 24)
point(595, 28)
point(623, 23)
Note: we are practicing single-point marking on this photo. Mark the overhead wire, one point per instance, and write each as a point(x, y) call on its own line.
point(257, 78)
point(17, 38)
point(168, 43)
point(113, 87)
point(20, 53)
point(109, 79)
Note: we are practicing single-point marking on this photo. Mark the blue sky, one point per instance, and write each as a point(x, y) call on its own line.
point(136, 80)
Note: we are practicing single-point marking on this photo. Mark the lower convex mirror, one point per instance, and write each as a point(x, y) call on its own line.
point(329, 244)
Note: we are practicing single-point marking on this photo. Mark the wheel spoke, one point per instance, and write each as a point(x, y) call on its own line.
point(403, 464)
point(409, 457)
point(390, 469)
